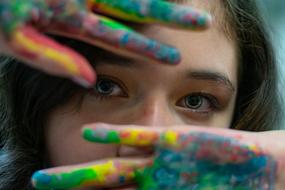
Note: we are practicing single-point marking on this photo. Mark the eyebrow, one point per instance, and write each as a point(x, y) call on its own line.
point(205, 75)
point(212, 76)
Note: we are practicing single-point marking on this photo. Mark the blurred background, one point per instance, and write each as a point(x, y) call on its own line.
point(274, 13)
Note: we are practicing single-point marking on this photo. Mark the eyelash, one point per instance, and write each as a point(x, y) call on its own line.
point(211, 100)
point(102, 97)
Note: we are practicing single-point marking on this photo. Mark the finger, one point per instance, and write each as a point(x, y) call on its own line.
point(98, 174)
point(45, 54)
point(113, 36)
point(134, 135)
point(101, 133)
point(153, 11)
point(197, 154)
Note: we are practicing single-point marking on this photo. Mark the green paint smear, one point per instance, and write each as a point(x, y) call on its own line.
point(146, 180)
point(156, 9)
point(152, 11)
point(18, 13)
point(208, 182)
point(111, 136)
point(114, 25)
point(68, 180)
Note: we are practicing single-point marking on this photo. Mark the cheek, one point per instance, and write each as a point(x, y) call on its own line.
point(115, 110)
point(64, 142)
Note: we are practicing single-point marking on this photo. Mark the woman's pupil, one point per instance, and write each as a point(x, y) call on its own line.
point(104, 87)
point(193, 101)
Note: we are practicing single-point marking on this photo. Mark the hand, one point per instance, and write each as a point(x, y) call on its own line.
point(186, 157)
point(23, 22)
point(202, 158)
point(99, 174)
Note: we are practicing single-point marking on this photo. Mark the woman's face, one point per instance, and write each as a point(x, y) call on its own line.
point(199, 91)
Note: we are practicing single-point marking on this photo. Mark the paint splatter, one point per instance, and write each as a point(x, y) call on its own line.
point(99, 174)
point(73, 17)
point(122, 37)
point(137, 137)
point(202, 161)
point(18, 22)
point(150, 11)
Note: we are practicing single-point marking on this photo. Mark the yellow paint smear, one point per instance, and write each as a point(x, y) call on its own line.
point(45, 51)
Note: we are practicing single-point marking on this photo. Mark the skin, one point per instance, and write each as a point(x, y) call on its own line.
point(150, 94)
point(146, 106)
point(195, 159)
point(186, 156)
point(201, 158)
point(22, 25)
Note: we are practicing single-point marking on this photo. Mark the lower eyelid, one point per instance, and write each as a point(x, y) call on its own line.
point(211, 100)
point(196, 116)
point(117, 85)
point(115, 80)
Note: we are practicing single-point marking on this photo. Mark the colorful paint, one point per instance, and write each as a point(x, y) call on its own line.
point(109, 172)
point(37, 50)
point(134, 136)
point(115, 35)
point(202, 161)
point(31, 45)
point(153, 11)
point(194, 160)
point(17, 20)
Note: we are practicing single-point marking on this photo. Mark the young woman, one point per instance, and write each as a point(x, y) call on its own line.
point(227, 79)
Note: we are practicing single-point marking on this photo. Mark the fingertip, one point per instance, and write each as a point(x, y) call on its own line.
point(168, 55)
point(204, 21)
point(40, 178)
point(46, 54)
point(87, 75)
point(87, 134)
point(101, 135)
point(85, 83)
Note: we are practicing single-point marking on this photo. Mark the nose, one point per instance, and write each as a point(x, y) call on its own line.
point(154, 111)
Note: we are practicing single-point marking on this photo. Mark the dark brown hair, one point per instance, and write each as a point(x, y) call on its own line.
point(258, 104)
point(27, 96)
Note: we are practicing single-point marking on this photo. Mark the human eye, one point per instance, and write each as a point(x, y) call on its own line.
point(199, 103)
point(108, 87)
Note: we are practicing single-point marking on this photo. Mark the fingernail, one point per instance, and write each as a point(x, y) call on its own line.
point(82, 82)
point(86, 76)
point(123, 37)
point(135, 137)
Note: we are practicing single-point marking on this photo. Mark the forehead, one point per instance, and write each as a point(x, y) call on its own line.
point(208, 50)
point(215, 7)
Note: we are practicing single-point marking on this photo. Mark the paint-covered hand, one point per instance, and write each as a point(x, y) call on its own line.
point(23, 22)
point(202, 158)
point(103, 174)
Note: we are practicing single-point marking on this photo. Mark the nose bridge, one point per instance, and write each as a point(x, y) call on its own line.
point(155, 111)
